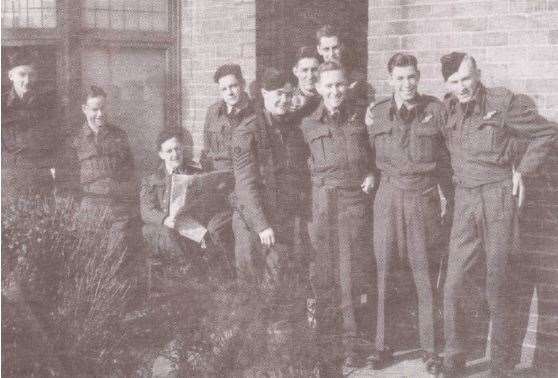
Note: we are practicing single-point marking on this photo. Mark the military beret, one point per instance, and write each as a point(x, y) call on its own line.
point(451, 62)
point(306, 52)
point(274, 79)
point(228, 69)
point(21, 57)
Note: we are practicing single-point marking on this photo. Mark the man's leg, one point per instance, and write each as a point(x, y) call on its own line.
point(243, 247)
point(422, 210)
point(464, 251)
point(386, 213)
point(499, 214)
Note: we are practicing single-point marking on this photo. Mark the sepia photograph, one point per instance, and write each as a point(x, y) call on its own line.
point(279, 188)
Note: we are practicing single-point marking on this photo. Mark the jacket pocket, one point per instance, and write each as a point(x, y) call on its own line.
point(425, 143)
point(381, 141)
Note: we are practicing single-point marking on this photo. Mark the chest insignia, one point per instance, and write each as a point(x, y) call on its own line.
point(489, 115)
point(426, 118)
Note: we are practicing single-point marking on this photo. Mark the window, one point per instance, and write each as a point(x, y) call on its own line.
point(129, 47)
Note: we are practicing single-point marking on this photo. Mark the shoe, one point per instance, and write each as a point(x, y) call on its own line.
point(354, 360)
point(454, 366)
point(432, 363)
point(382, 359)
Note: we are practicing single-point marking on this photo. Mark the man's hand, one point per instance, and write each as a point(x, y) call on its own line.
point(368, 184)
point(168, 222)
point(267, 237)
point(518, 189)
point(369, 118)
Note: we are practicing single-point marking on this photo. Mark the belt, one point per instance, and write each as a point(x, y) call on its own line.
point(337, 183)
point(413, 183)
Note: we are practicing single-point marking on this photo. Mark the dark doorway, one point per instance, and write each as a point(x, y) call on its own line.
point(282, 26)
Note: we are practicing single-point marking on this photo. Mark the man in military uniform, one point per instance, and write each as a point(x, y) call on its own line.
point(305, 98)
point(168, 247)
point(221, 119)
point(109, 196)
point(406, 134)
point(341, 170)
point(331, 47)
point(269, 157)
point(482, 123)
point(28, 132)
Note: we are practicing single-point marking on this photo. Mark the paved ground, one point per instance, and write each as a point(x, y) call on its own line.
point(407, 365)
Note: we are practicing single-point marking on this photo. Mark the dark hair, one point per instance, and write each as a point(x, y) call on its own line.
point(327, 31)
point(166, 134)
point(402, 60)
point(228, 69)
point(21, 57)
point(93, 91)
point(330, 66)
point(306, 52)
point(273, 79)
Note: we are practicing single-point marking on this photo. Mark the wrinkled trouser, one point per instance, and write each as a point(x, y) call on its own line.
point(340, 238)
point(483, 226)
point(406, 225)
point(252, 258)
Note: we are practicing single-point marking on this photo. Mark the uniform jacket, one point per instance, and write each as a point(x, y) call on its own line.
point(106, 164)
point(28, 138)
point(270, 169)
point(217, 134)
point(339, 150)
point(154, 193)
point(412, 151)
point(481, 135)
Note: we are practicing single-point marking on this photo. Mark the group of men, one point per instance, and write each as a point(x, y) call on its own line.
point(373, 183)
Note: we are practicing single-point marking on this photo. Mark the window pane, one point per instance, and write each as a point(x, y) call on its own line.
point(135, 82)
point(142, 15)
point(29, 14)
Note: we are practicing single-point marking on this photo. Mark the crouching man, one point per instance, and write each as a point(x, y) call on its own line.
point(167, 246)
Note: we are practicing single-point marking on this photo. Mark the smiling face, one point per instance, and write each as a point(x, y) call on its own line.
point(332, 86)
point(172, 153)
point(464, 83)
point(330, 49)
point(23, 78)
point(306, 71)
point(404, 82)
point(278, 101)
point(231, 89)
point(95, 112)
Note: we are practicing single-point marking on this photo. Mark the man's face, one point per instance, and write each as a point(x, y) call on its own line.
point(23, 78)
point(332, 86)
point(463, 83)
point(95, 112)
point(171, 152)
point(278, 101)
point(306, 71)
point(404, 82)
point(330, 49)
point(231, 89)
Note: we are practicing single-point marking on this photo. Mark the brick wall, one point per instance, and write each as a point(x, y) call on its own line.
point(214, 32)
point(515, 43)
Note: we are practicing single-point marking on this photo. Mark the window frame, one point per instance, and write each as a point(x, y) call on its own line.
point(69, 37)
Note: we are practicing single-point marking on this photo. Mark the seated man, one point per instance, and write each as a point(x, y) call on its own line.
point(166, 244)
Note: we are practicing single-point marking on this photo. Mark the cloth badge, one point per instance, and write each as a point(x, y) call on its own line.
point(427, 118)
point(489, 115)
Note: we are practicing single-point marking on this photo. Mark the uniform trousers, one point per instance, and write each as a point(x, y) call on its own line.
point(483, 231)
point(406, 226)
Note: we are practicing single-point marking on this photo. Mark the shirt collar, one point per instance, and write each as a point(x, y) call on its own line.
point(479, 101)
point(245, 103)
point(321, 111)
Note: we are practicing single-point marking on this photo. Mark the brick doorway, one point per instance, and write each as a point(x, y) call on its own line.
point(282, 26)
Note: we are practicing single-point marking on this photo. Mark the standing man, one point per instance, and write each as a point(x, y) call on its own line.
point(331, 47)
point(221, 119)
point(28, 132)
point(108, 184)
point(269, 157)
point(406, 134)
point(340, 166)
point(306, 99)
point(481, 124)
